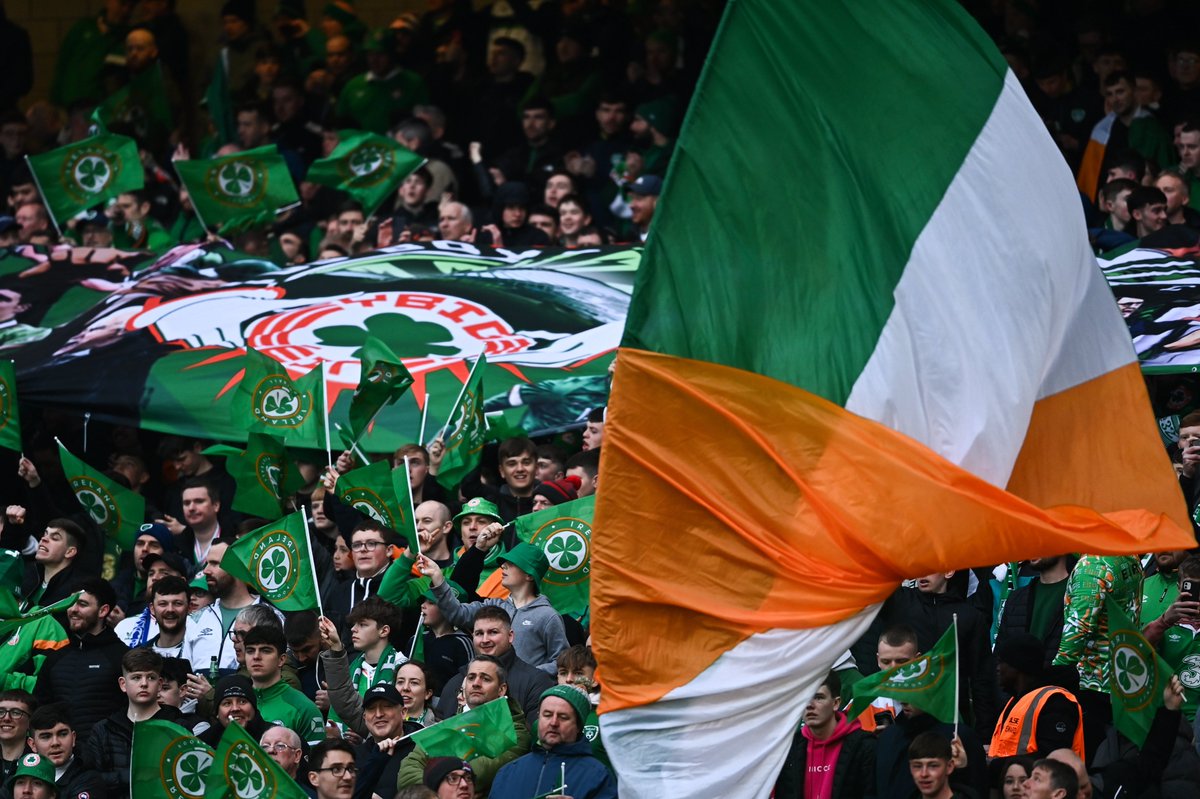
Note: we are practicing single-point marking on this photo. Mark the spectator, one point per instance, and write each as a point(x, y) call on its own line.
point(93, 229)
point(304, 648)
point(55, 570)
point(369, 548)
point(554, 492)
point(417, 135)
point(1051, 779)
point(52, 736)
point(134, 228)
point(278, 702)
point(830, 755)
point(372, 622)
point(511, 210)
point(931, 761)
point(1173, 632)
point(545, 219)
point(332, 770)
point(643, 200)
point(653, 128)
point(446, 649)
point(539, 154)
point(573, 217)
point(293, 131)
point(1127, 126)
point(202, 513)
point(501, 95)
point(1161, 589)
point(285, 748)
point(15, 709)
point(86, 672)
point(385, 93)
point(1175, 188)
point(33, 220)
point(384, 716)
point(1040, 717)
point(1037, 608)
point(33, 779)
point(234, 700)
point(1148, 209)
point(585, 466)
point(83, 52)
point(242, 40)
point(450, 777)
point(1187, 142)
point(561, 753)
point(413, 207)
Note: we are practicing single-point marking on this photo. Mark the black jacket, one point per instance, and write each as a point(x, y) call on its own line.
point(80, 782)
point(853, 776)
point(85, 674)
point(1018, 615)
point(893, 780)
point(109, 748)
point(525, 685)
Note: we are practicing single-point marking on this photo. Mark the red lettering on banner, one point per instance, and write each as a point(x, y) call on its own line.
point(457, 314)
point(425, 302)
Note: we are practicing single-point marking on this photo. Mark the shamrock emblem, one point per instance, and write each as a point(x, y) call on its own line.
point(92, 173)
point(94, 506)
point(423, 337)
point(365, 160)
point(247, 777)
point(910, 671)
point(190, 772)
point(565, 551)
point(279, 402)
point(1132, 673)
point(236, 179)
point(273, 568)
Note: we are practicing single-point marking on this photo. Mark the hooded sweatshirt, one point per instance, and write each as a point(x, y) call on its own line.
point(823, 756)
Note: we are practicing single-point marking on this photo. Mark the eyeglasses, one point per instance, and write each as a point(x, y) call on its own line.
point(236, 635)
point(369, 546)
point(455, 777)
point(281, 747)
point(340, 769)
point(13, 712)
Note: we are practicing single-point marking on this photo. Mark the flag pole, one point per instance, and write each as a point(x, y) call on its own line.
point(45, 202)
point(325, 409)
point(417, 636)
point(407, 479)
point(467, 382)
point(195, 208)
point(957, 677)
point(354, 446)
point(312, 563)
point(424, 416)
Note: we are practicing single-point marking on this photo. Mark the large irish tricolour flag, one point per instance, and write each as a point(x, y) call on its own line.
point(868, 342)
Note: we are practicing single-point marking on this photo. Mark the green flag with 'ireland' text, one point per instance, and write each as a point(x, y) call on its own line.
point(366, 166)
point(564, 533)
point(1138, 676)
point(270, 401)
point(466, 431)
point(264, 474)
point(275, 561)
point(485, 731)
point(86, 173)
point(10, 417)
point(242, 770)
point(239, 191)
point(384, 380)
point(117, 511)
point(929, 682)
point(167, 761)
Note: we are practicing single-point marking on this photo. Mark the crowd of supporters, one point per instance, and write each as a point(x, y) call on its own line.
point(546, 126)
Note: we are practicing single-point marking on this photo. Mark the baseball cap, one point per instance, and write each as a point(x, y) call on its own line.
point(647, 186)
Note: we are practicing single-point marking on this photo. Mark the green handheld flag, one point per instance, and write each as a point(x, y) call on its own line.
point(1138, 676)
point(86, 173)
point(276, 562)
point(564, 533)
point(929, 682)
point(242, 770)
point(239, 191)
point(118, 511)
point(375, 490)
point(384, 380)
point(10, 416)
point(168, 761)
point(485, 731)
point(269, 401)
point(366, 166)
point(467, 431)
point(264, 474)
point(8, 625)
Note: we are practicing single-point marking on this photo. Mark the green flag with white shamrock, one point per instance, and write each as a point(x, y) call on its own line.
point(239, 191)
point(242, 770)
point(564, 533)
point(116, 510)
point(270, 401)
point(87, 173)
point(466, 431)
point(266, 477)
point(383, 380)
point(275, 561)
point(485, 731)
point(366, 166)
point(167, 761)
point(10, 417)
point(929, 682)
point(1138, 674)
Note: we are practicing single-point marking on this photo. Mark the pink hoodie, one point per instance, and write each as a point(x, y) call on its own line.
point(823, 756)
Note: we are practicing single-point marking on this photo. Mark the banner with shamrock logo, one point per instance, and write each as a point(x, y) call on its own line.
point(116, 510)
point(239, 191)
point(1138, 676)
point(366, 166)
point(242, 770)
point(929, 682)
point(168, 761)
point(466, 431)
point(564, 533)
point(275, 561)
point(86, 173)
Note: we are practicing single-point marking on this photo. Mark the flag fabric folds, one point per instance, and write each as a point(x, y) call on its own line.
point(241, 769)
point(10, 414)
point(264, 474)
point(485, 731)
point(564, 533)
point(16, 621)
point(168, 760)
point(381, 492)
point(384, 380)
point(903, 407)
point(270, 401)
point(239, 191)
point(1139, 676)
point(466, 431)
point(76, 177)
point(116, 510)
point(366, 166)
point(275, 561)
point(929, 682)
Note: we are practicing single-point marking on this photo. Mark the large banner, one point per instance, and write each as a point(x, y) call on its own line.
point(160, 343)
point(1158, 293)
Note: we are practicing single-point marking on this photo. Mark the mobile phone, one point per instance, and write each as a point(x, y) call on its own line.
point(1190, 590)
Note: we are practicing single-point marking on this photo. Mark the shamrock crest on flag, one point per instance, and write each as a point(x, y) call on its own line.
point(1130, 670)
point(247, 777)
point(189, 773)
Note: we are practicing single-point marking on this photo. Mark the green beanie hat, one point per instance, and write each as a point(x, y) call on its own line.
point(575, 697)
point(529, 559)
point(36, 766)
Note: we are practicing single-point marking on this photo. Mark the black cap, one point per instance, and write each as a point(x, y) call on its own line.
point(234, 685)
point(647, 186)
point(382, 693)
point(169, 558)
point(1025, 652)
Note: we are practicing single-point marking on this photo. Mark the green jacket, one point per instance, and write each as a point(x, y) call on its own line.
point(1085, 639)
point(22, 655)
point(376, 104)
point(412, 769)
point(78, 74)
point(282, 704)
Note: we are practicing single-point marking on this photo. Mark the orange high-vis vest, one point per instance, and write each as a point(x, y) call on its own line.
point(1016, 731)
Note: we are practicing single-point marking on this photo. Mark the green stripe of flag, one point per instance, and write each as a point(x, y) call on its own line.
point(838, 245)
point(115, 509)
